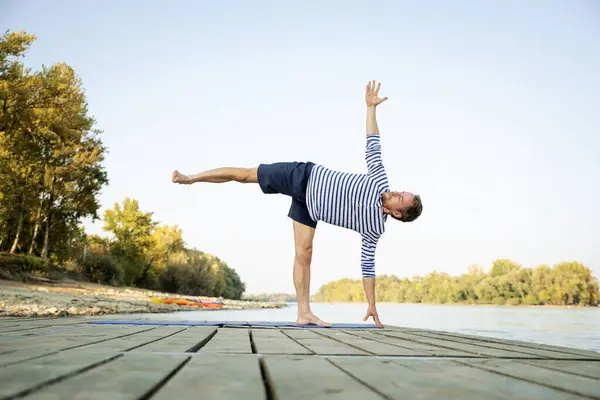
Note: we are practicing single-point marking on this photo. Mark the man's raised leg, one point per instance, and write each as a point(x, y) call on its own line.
point(303, 238)
point(218, 175)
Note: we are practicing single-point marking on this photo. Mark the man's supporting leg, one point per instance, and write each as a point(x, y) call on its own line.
point(218, 175)
point(303, 238)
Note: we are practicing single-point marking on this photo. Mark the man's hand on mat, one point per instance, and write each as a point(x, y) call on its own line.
point(372, 312)
point(311, 319)
point(178, 177)
point(372, 95)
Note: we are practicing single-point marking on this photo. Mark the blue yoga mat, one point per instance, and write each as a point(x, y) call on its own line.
point(225, 323)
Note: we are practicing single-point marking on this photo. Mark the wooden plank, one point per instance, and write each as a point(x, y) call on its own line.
point(581, 368)
point(441, 379)
point(229, 340)
point(300, 333)
point(304, 377)
point(415, 346)
point(216, 376)
point(273, 341)
point(321, 345)
point(560, 380)
point(24, 319)
point(49, 330)
point(467, 348)
point(69, 336)
point(536, 352)
point(52, 345)
point(130, 342)
point(128, 377)
point(562, 349)
point(33, 373)
point(186, 340)
point(26, 326)
point(18, 328)
point(369, 345)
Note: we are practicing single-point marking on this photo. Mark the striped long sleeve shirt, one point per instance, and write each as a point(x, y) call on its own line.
point(353, 201)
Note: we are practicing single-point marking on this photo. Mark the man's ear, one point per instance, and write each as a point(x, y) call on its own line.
point(397, 214)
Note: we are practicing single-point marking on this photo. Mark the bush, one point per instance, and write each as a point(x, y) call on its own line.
point(498, 301)
point(23, 263)
point(531, 300)
point(514, 301)
point(190, 279)
point(102, 268)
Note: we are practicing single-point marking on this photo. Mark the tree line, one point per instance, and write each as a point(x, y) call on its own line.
point(272, 297)
point(507, 283)
point(51, 173)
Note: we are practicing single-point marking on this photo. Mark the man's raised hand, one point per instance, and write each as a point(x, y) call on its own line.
point(372, 95)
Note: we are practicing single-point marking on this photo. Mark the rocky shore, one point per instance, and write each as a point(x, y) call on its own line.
point(77, 298)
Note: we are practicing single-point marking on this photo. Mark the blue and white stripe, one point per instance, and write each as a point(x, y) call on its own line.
point(352, 201)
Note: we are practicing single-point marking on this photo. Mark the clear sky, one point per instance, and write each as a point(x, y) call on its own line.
point(490, 118)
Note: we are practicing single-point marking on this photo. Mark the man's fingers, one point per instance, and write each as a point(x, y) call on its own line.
point(378, 87)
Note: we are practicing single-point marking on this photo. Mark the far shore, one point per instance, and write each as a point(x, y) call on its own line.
point(466, 304)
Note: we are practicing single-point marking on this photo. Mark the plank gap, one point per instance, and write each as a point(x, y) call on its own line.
point(202, 343)
point(267, 380)
point(522, 378)
point(528, 351)
point(283, 331)
point(252, 345)
point(74, 347)
point(345, 343)
point(155, 340)
point(60, 378)
point(360, 380)
point(526, 344)
point(164, 381)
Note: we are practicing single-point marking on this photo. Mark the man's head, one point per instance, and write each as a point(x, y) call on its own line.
point(403, 206)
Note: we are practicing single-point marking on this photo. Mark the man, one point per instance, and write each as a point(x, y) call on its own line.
point(360, 202)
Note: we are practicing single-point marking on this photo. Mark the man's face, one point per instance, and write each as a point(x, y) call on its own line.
point(400, 201)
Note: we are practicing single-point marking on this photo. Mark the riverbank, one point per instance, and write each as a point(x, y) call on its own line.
point(83, 298)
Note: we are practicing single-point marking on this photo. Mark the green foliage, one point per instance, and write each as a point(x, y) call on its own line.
point(507, 283)
point(51, 174)
point(50, 155)
point(19, 264)
point(272, 297)
point(102, 268)
point(202, 275)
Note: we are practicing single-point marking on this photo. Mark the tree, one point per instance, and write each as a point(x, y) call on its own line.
point(50, 158)
point(132, 231)
point(507, 283)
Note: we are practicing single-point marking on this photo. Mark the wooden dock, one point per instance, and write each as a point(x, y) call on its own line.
point(74, 358)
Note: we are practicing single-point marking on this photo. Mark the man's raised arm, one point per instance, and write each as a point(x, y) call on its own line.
point(373, 150)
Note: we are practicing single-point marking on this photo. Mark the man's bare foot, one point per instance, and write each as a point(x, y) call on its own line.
point(178, 177)
point(311, 319)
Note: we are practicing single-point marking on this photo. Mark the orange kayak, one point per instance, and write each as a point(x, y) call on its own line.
point(183, 302)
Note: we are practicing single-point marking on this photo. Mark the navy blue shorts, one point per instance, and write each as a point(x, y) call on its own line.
point(289, 178)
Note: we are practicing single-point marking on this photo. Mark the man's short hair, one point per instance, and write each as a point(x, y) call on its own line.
point(413, 212)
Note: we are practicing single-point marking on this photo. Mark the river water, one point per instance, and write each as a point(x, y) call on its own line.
point(570, 327)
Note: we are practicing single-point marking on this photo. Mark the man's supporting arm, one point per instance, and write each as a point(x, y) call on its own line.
point(367, 263)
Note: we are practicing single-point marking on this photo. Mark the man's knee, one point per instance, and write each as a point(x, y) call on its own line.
point(304, 254)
